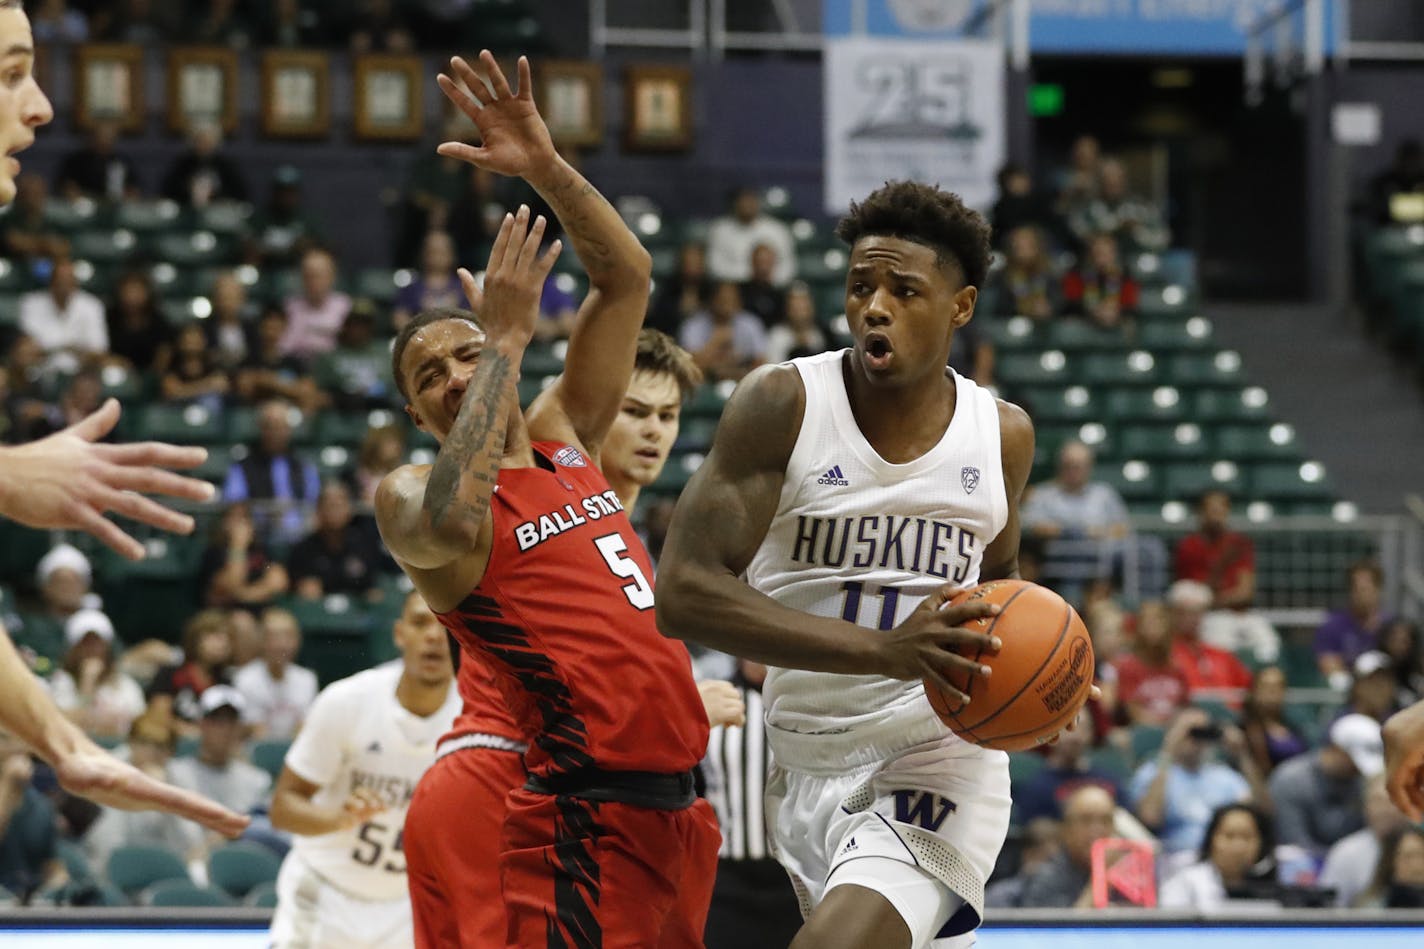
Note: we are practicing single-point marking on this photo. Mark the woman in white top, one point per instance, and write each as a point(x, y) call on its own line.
point(89, 687)
point(1237, 848)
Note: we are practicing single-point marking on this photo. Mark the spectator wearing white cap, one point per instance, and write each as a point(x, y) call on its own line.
point(63, 577)
point(1374, 687)
point(218, 770)
point(89, 686)
point(1317, 795)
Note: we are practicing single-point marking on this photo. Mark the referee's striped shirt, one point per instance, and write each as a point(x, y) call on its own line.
point(736, 766)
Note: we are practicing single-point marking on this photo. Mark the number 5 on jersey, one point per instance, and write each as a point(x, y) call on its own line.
point(614, 548)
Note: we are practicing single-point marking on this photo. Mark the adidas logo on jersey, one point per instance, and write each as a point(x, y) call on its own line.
point(374, 748)
point(850, 845)
point(834, 477)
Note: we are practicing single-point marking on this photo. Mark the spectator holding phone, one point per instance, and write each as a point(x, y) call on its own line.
point(1176, 794)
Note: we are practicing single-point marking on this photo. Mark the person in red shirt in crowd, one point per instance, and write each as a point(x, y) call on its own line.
point(1205, 666)
point(1225, 561)
point(1100, 288)
point(1150, 688)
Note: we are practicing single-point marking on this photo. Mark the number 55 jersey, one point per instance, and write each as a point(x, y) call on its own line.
point(564, 618)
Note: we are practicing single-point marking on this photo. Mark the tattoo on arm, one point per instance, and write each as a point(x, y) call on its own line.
point(465, 471)
point(579, 207)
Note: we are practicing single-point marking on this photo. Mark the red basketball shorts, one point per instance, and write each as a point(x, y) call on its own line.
point(452, 847)
point(604, 875)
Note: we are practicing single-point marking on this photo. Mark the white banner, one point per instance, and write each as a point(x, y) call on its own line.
point(930, 111)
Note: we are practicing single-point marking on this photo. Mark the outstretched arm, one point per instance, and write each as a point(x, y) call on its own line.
point(429, 521)
point(585, 400)
point(27, 711)
point(70, 480)
point(721, 520)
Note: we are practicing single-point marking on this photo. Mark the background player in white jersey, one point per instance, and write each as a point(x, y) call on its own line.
point(344, 790)
point(861, 489)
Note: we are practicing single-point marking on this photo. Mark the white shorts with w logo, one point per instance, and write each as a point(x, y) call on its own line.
point(940, 808)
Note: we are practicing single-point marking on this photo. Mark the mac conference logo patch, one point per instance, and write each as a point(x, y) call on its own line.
point(569, 457)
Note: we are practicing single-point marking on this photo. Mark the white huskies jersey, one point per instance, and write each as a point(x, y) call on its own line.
point(858, 538)
point(357, 735)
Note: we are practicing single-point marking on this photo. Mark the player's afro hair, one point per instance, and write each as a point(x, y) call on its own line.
point(926, 215)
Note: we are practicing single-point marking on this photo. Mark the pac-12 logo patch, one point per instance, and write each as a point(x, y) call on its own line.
point(569, 457)
point(969, 477)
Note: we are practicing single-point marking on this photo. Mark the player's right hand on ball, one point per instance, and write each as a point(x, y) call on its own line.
point(514, 279)
point(933, 639)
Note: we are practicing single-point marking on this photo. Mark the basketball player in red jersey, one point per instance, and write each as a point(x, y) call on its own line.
point(442, 857)
point(516, 541)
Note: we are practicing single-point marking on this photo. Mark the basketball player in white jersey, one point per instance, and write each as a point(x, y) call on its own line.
point(344, 789)
point(856, 489)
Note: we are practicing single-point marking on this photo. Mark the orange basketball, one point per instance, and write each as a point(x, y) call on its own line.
point(1040, 677)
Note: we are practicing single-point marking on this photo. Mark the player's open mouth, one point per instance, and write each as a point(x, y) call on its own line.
point(878, 350)
point(649, 453)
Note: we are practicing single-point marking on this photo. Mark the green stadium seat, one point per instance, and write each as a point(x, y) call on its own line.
point(263, 896)
point(1184, 481)
point(1134, 479)
point(1165, 300)
point(1146, 740)
point(76, 864)
point(184, 893)
point(1082, 336)
point(1112, 761)
point(379, 284)
point(1257, 442)
point(1155, 442)
point(675, 474)
point(1300, 665)
point(541, 360)
point(195, 249)
point(1231, 405)
point(1163, 404)
point(135, 868)
point(706, 402)
point(1060, 404)
point(70, 216)
point(665, 260)
point(9, 310)
point(236, 868)
point(183, 424)
point(1032, 369)
point(13, 278)
point(107, 246)
point(1171, 335)
point(225, 217)
point(529, 389)
point(146, 217)
point(695, 434)
point(1007, 335)
point(1023, 767)
point(1138, 367)
point(1281, 481)
point(821, 265)
point(1196, 370)
point(270, 756)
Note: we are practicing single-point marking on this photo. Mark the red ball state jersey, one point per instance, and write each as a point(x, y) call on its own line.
point(485, 710)
point(564, 617)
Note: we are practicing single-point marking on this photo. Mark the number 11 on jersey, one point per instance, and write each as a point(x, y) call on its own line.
point(855, 591)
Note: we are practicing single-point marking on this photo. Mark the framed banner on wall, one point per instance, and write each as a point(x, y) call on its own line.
point(570, 97)
point(658, 111)
point(202, 87)
point(108, 85)
point(296, 94)
point(388, 97)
